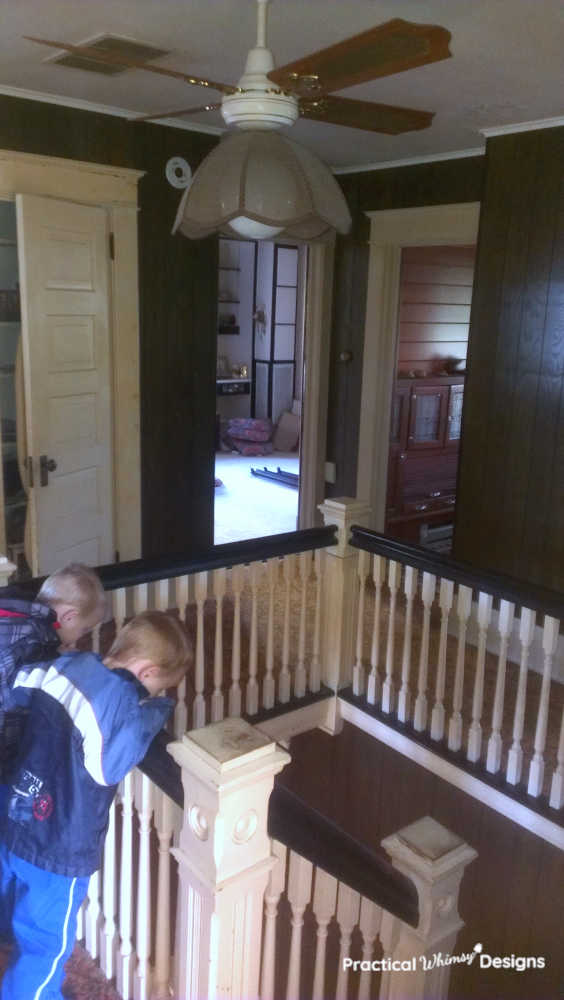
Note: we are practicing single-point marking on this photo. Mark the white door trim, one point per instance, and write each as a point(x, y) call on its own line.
point(390, 230)
point(114, 189)
point(317, 342)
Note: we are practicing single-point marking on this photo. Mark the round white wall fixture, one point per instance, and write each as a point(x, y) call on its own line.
point(178, 172)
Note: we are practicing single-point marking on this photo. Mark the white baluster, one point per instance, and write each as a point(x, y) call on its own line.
point(140, 598)
point(428, 587)
point(315, 672)
point(126, 959)
point(268, 687)
point(373, 686)
point(300, 679)
point(143, 802)
point(80, 922)
point(446, 591)
point(557, 783)
point(93, 915)
point(358, 669)
point(219, 587)
point(164, 822)
point(348, 912)
point(274, 889)
point(162, 595)
point(96, 639)
point(252, 693)
point(235, 689)
point(394, 574)
point(180, 724)
point(410, 590)
point(515, 756)
point(463, 609)
point(324, 905)
point(475, 731)
point(119, 598)
point(505, 624)
point(201, 592)
point(288, 570)
point(298, 893)
point(549, 643)
point(369, 923)
point(108, 941)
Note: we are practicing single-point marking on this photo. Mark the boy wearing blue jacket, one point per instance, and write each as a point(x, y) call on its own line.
point(90, 721)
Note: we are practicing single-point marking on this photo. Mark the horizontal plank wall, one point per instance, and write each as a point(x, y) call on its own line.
point(441, 183)
point(511, 899)
point(510, 509)
point(434, 307)
point(178, 283)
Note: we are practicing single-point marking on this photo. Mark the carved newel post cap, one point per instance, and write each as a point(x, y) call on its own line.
point(223, 744)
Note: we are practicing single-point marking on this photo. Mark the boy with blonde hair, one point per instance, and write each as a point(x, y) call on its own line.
point(70, 603)
point(90, 721)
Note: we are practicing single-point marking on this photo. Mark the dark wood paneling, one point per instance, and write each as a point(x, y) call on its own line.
point(510, 510)
point(510, 898)
point(177, 280)
point(441, 183)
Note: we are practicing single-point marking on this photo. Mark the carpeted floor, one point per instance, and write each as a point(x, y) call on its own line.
point(84, 980)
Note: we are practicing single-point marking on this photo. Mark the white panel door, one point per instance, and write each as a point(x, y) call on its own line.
point(63, 262)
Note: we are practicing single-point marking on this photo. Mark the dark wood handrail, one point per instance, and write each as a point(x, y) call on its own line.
point(303, 829)
point(135, 571)
point(549, 602)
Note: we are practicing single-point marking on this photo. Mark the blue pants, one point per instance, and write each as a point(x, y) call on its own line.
point(43, 908)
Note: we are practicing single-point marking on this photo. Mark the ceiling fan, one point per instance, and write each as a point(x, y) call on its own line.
point(268, 98)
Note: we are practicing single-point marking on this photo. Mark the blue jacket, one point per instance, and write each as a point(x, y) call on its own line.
point(87, 727)
point(27, 634)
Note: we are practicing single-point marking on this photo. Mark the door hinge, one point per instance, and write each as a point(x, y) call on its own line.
point(29, 468)
point(112, 247)
point(116, 557)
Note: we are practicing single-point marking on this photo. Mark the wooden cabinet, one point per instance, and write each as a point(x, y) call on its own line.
point(424, 440)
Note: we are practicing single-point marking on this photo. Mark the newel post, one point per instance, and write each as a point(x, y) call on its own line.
point(340, 591)
point(434, 859)
point(224, 858)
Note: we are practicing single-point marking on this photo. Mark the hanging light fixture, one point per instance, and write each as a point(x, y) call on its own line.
point(257, 183)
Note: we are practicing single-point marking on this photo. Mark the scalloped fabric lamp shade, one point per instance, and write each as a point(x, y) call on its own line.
point(261, 185)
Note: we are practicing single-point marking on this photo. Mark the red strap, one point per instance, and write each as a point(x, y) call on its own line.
point(12, 614)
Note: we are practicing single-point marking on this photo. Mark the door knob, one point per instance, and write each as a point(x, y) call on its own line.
point(46, 465)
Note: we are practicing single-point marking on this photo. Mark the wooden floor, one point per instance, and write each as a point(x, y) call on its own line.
point(512, 898)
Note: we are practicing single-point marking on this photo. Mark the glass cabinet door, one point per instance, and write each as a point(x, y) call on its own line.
point(427, 417)
point(454, 419)
point(400, 413)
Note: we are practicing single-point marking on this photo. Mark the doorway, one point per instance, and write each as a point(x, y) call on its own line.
point(261, 302)
point(81, 392)
point(391, 230)
point(435, 293)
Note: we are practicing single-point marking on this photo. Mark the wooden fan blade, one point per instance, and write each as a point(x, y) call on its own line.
point(366, 115)
point(173, 114)
point(390, 48)
point(110, 59)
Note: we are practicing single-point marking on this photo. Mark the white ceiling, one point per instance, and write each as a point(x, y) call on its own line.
point(506, 66)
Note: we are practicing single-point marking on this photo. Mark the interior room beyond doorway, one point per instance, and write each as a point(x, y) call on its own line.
point(259, 387)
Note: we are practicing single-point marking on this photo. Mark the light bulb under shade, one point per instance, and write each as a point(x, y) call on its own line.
point(251, 230)
point(265, 178)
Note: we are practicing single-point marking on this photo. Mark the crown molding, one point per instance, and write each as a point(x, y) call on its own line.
point(522, 127)
point(103, 109)
point(410, 161)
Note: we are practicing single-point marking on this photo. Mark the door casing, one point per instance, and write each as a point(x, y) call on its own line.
point(114, 189)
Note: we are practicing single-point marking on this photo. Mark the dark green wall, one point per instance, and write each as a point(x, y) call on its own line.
point(177, 281)
point(441, 183)
point(510, 508)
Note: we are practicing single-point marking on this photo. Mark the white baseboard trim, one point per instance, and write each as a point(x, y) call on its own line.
point(491, 797)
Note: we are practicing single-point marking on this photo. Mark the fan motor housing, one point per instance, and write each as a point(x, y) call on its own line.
point(259, 103)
